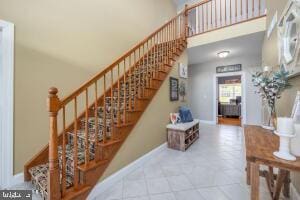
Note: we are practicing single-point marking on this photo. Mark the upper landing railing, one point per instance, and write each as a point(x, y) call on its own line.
point(209, 15)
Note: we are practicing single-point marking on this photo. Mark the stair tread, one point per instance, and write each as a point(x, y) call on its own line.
point(110, 142)
point(92, 165)
point(135, 110)
point(143, 98)
point(163, 71)
point(168, 65)
point(159, 79)
point(72, 192)
point(176, 53)
point(151, 88)
point(124, 125)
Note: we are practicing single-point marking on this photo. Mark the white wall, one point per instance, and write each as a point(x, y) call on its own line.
point(201, 77)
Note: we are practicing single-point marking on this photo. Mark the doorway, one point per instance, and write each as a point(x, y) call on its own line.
point(229, 100)
point(229, 93)
point(6, 103)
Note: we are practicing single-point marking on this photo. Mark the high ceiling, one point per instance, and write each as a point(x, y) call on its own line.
point(240, 46)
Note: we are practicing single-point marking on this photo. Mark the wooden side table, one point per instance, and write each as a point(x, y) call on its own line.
point(260, 145)
point(182, 135)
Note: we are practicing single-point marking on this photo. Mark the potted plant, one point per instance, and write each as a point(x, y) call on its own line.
point(270, 86)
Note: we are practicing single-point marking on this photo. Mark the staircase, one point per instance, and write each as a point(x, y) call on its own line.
point(89, 126)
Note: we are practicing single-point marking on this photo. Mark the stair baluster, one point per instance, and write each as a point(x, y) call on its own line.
point(97, 128)
point(112, 108)
point(104, 137)
point(86, 140)
point(119, 114)
point(75, 143)
point(124, 92)
point(63, 168)
point(185, 19)
point(130, 84)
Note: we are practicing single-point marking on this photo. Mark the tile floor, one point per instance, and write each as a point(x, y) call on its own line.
point(213, 168)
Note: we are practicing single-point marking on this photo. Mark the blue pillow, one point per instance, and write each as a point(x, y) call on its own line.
point(185, 114)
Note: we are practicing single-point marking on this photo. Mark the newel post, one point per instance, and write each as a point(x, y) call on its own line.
point(53, 174)
point(186, 26)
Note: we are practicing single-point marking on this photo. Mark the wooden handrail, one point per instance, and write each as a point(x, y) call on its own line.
point(70, 97)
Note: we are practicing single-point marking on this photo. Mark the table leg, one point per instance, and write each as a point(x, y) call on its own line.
point(248, 170)
point(286, 185)
point(282, 174)
point(269, 176)
point(254, 181)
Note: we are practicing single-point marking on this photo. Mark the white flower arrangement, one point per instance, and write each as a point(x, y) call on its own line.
point(270, 87)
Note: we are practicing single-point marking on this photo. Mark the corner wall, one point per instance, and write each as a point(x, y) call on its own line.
point(63, 44)
point(201, 89)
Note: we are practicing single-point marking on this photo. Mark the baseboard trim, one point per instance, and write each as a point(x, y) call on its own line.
point(119, 175)
point(294, 193)
point(208, 122)
point(17, 179)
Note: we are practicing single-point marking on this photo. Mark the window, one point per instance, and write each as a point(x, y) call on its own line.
point(229, 91)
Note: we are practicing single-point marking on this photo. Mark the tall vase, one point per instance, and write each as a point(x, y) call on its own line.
point(269, 117)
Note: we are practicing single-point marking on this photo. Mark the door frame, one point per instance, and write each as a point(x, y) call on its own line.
point(215, 104)
point(7, 104)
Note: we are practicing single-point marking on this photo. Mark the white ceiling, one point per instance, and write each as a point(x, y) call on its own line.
point(240, 46)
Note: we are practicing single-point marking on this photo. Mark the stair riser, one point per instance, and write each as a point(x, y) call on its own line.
point(109, 150)
point(162, 76)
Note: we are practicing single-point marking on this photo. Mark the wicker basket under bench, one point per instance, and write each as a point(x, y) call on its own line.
point(181, 136)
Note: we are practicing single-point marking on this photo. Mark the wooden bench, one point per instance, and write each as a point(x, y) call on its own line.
point(182, 135)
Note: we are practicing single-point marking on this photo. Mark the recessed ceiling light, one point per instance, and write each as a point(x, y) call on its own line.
point(223, 54)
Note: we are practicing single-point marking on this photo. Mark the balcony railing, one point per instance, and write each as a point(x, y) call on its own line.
point(210, 15)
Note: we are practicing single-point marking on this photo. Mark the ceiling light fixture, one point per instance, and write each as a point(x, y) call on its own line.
point(223, 54)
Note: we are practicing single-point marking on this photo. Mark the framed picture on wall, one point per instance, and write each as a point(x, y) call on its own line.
point(229, 68)
point(183, 70)
point(289, 37)
point(174, 96)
